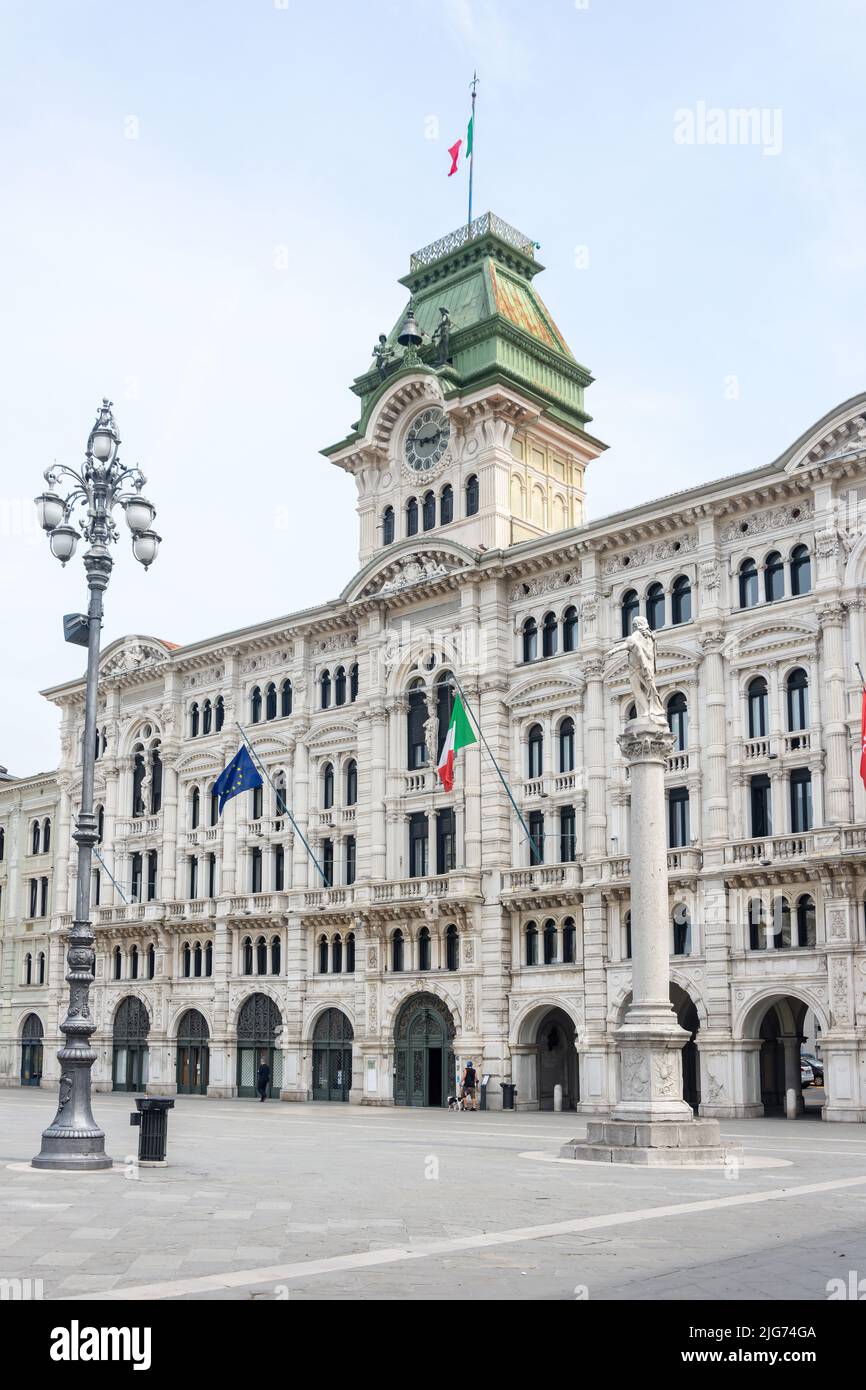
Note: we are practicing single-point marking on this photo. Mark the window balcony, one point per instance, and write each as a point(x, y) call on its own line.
point(457, 884)
point(329, 897)
point(541, 877)
point(773, 849)
point(136, 827)
point(534, 788)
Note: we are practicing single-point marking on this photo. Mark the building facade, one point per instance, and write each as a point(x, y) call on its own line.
point(434, 927)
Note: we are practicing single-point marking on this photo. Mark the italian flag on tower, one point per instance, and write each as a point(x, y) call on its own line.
point(459, 735)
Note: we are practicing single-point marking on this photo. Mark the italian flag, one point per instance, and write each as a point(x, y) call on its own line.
point(458, 736)
point(454, 150)
point(862, 740)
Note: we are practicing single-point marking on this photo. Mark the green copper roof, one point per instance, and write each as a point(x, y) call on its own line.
point(501, 330)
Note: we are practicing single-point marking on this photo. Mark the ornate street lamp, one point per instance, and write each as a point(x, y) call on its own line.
point(73, 1140)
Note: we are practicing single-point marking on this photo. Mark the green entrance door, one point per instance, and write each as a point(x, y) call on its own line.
point(129, 1061)
point(192, 1054)
point(258, 1024)
point(423, 1052)
point(31, 1051)
point(332, 1056)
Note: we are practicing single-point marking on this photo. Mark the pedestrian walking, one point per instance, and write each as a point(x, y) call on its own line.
point(468, 1082)
point(263, 1081)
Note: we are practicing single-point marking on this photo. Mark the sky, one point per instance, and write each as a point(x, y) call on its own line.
point(207, 206)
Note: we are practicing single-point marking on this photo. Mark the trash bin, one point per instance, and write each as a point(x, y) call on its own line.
point(509, 1091)
point(152, 1120)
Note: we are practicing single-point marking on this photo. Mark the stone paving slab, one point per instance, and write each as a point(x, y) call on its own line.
point(339, 1202)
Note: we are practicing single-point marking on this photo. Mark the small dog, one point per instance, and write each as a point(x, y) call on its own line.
point(457, 1103)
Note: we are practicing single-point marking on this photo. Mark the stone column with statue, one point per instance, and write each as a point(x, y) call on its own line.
point(651, 1123)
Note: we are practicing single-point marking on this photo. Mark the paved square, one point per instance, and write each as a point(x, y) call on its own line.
point(334, 1201)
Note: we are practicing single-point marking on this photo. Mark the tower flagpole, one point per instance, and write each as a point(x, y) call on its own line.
point(473, 85)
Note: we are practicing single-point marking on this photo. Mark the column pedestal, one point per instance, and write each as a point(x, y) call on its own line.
point(651, 1124)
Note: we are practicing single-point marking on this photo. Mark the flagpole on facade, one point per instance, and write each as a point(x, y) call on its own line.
point(110, 874)
point(473, 85)
point(860, 674)
point(517, 810)
point(281, 800)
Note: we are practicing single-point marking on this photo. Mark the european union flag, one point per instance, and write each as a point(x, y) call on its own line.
point(240, 775)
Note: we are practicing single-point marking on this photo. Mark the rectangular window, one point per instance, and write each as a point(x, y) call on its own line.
point(417, 751)
point(279, 868)
point(257, 803)
point(256, 871)
point(152, 865)
point(193, 876)
point(350, 859)
point(211, 875)
point(761, 806)
point(678, 818)
point(43, 898)
point(446, 842)
point(328, 862)
point(417, 845)
point(137, 869)
point(567, 835)
point(536, 837)
point(34, 896)
point(801, 800)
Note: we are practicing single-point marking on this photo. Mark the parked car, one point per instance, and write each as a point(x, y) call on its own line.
point(817, 1066)
point(807, 1076)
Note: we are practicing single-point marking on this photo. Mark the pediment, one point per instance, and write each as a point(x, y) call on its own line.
point(840, 433)
point(765, 637)
point(270, 745)
point(197, 763)
point(409, 567)
point(130, 655)
point(550, 689)
point(333, 734)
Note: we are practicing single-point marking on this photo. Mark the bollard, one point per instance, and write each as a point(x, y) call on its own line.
point(557, 1097)
point(152, 1121)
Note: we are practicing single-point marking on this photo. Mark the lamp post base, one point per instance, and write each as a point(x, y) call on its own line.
point(71, 1161)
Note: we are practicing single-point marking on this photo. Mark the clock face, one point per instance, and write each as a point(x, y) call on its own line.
point(427, 440)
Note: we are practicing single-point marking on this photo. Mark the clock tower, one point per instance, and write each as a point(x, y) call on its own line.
point(472, 420)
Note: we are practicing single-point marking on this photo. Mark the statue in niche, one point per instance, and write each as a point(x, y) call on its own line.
point(640, 646)
point(431, 738)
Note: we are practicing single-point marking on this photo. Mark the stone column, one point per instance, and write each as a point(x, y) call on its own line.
point(651, 1123)
point(837, 785)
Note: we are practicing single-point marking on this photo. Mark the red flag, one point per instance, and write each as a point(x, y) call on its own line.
point(454, 152)
point(863, 740)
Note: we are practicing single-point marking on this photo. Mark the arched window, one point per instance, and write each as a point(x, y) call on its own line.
point(530, 640)
point(774, 577)
point(325, 685)
point(445, 692)
point(206, 717)
point(323, 955)
point(629, 608)
point(748, 583)
point(247, 946)
point(271, 701)
point(412, 517)
point(350, 953)
point(530, 943)
point(424, 958)
point(472, 495)
point(627, 927)
point(681, 600)
point(351, 782)
point(40, 968)
point(781, 924)
point(678, 719)
point(682, 926)
point(569, 629)
point(428, 511)
point(100, 824)
point(219, 713)
point(46, 835)
point(261, 956)
point(186, 957)
point(806, 936)
point(193, 721)
point(328, 786)
point(569, 941)
point(155, 780)
point(36, 837)
point(801, 570)
point(28, 969)
point(550, 634)
point(353, 683)
point(446, 505)
point(340, 685)
point(388, 526)
point(397, 950)
point(151, 961)
point(678, 818)
point(655, 606)
point(214, 804)
point(337, 955)
point(535, 751)
point(549, 942)
point(3, 842)
point(566, 745)
point(452, 948)
point(194, 808)
point(256, 705)
point(757, 702)
point(757, 925)
point(118, 963)
point(285, 699)
point(275, 955)
point(208, 958)
point(416, 717)
point(797, 688)
point(196, 960)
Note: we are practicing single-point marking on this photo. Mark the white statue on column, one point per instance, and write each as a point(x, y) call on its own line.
point(640, 646)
